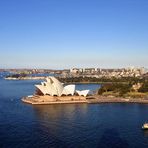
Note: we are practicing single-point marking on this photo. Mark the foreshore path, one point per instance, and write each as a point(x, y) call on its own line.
point(101, 99)
point(36, 100)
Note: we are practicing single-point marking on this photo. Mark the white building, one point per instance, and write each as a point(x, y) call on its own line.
point(54, 87)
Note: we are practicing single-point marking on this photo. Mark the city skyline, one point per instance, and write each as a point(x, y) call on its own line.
point(65, 34)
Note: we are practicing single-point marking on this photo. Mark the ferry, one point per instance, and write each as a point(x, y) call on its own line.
point(145, 126)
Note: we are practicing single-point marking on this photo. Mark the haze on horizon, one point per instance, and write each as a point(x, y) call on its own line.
point(73, 33)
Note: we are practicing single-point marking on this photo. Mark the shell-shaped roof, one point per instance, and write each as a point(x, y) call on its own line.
point(53, 86)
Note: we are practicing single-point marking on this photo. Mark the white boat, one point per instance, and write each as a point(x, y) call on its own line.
point(145, 126)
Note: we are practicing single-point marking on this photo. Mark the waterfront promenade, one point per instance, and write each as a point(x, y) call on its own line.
point(35, 100)
point(101, 99)
point(54, 100)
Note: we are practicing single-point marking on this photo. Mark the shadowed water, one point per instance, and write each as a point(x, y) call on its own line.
point(73, 125)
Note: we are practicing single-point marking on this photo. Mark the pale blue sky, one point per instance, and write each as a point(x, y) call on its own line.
point(73, 33)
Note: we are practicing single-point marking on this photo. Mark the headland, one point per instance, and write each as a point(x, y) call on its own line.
point(52, 91)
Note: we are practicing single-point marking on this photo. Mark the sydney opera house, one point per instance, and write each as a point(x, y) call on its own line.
point(53, 91)
point(54, 87)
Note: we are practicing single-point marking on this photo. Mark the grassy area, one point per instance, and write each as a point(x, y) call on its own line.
point(124, 90)
point(86, 79)
point(111, 94)
point(136, 95)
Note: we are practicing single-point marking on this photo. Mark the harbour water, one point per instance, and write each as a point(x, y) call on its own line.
point(67, 126)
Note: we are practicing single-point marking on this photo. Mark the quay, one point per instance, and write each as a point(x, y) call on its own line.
point(38, 100)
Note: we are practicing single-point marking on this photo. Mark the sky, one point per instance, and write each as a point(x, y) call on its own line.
point(59, 34)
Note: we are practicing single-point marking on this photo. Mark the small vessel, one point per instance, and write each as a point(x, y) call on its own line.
point(145, 126)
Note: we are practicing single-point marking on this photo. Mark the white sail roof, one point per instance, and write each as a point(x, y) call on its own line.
point(57, 85)
point(82, 92)
point(42, 89)
point(52, 86)
point(69, 90)
point(51, 90)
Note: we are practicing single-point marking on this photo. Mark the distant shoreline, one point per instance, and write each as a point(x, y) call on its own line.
point(44, 77)
point(25, 78)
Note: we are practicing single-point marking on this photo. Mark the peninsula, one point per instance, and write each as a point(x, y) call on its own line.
point(52, 91)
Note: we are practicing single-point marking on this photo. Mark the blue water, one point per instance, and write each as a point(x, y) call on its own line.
point(67, 126)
